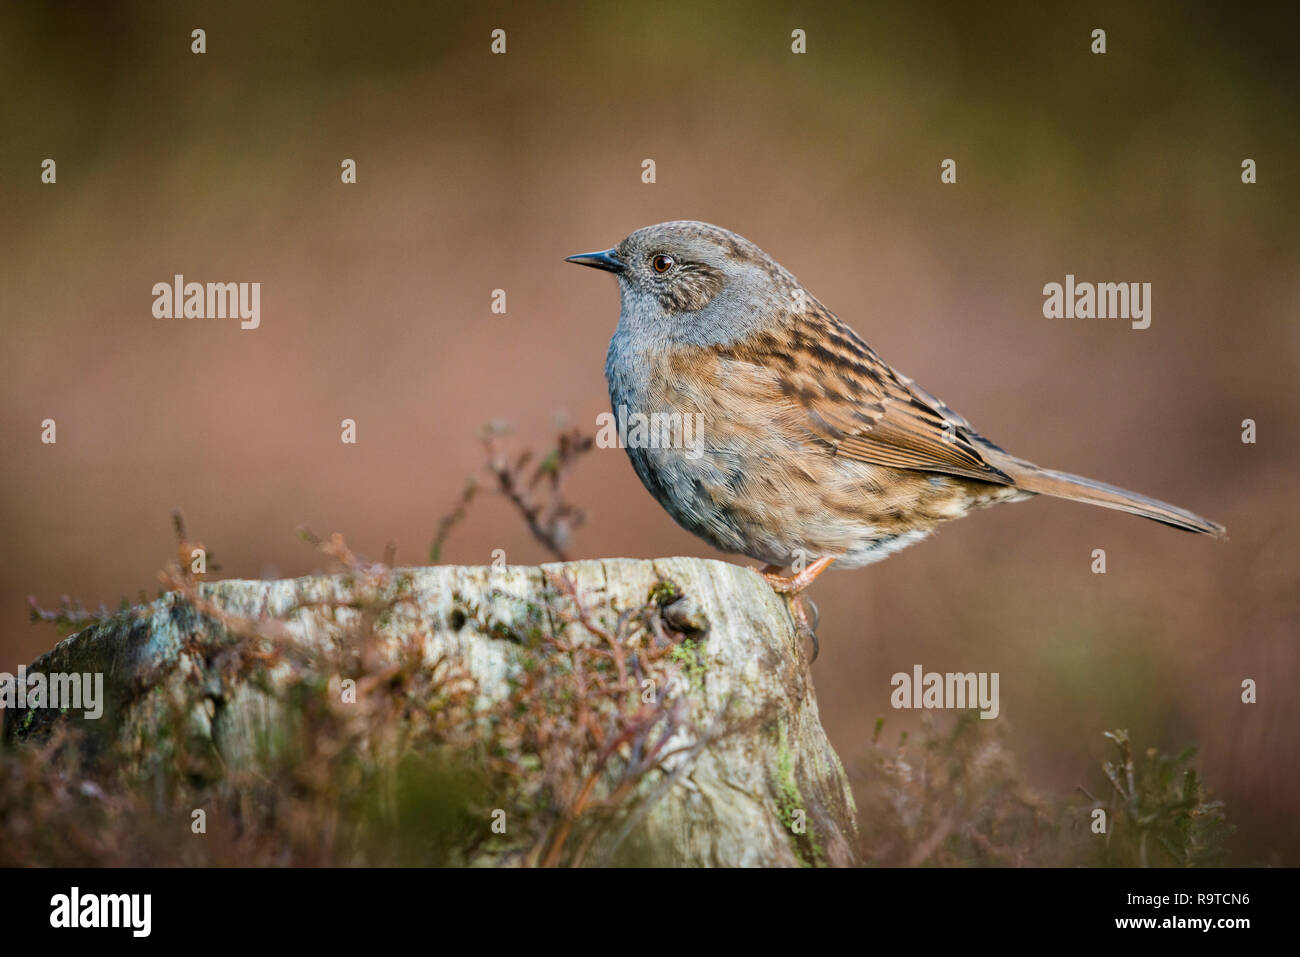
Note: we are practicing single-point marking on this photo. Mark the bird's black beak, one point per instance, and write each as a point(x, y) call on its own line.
point(603, 260)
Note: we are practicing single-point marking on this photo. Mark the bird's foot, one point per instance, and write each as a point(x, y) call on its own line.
point(793, 584)
point(792, 587)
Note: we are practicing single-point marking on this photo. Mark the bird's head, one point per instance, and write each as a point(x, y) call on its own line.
point(688, 282)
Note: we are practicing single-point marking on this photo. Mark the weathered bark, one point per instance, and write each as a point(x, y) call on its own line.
point(756, 782)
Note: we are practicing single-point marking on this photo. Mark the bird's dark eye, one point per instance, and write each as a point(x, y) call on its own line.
point(662, 263)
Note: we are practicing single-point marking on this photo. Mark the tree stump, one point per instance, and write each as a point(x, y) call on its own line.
point(611, 712)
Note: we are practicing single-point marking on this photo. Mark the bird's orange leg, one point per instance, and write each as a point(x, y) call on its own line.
point(793, 584)
point(793, 587)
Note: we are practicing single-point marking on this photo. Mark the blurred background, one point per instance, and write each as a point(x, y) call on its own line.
point(477, 172)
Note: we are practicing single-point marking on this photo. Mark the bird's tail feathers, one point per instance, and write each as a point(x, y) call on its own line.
point(1043, 481)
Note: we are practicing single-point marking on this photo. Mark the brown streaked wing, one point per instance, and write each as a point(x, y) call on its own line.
point(855, 403)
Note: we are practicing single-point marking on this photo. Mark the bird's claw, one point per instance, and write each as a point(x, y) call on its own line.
point(792, 588)
point(804, 623)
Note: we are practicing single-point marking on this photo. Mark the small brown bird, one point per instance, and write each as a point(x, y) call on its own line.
point(811, 449)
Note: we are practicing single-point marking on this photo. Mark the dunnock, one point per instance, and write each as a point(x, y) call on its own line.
point(814, 450)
